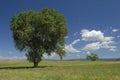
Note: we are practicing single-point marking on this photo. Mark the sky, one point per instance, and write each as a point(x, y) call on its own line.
point(94, 27)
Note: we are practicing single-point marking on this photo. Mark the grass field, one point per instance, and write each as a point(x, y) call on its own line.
point(60, 70)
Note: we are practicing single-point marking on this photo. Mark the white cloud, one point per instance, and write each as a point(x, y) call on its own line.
point(75, 41)
point(99, 45)
point(91, 35)
point(108, 45)
point(92, 46)
point(112, 49)
point(115, 30)
point(70, 49)
point(107, 38)
point(105, 42)
point(94, 36)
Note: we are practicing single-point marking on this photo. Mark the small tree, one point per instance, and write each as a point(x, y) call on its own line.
point(92, 57)
point(39, 32)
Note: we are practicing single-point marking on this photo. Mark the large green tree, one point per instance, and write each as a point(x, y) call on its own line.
point(39, 32)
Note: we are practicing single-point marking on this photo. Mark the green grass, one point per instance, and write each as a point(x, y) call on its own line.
point(60, 70)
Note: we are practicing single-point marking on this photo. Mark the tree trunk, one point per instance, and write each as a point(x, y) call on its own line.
point(36, 64)
point(61, 58)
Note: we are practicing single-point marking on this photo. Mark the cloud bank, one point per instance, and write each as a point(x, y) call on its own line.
point(94, 36)
point(98, 40)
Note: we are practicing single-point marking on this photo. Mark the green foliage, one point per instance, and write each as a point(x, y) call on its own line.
point(39, 32)
point(92, 57)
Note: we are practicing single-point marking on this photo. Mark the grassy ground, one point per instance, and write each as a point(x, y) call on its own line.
point(60, 70)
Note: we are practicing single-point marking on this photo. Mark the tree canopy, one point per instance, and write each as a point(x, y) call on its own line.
point(39, 32)
point(92, 57)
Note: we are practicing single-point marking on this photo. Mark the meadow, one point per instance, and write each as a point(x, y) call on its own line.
point(60, 70)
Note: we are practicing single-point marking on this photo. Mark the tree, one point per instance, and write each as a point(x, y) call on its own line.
point(92, 57)
point(39, 32)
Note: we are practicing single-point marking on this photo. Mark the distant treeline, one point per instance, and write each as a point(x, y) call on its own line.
point(110, 59)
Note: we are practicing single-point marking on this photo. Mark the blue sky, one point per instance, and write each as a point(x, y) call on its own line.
point(94, 26)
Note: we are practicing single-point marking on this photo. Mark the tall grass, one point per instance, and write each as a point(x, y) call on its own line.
point(60, 70)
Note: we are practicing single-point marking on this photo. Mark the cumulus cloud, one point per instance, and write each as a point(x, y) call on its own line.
point(107, 44)
point(99, 45)
point(113, 49)
point(70, 49)
point(108, 38)
point(94, 36)
point(99, 40)
point(91, 35)
point(92, 46)
point(115, 30)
